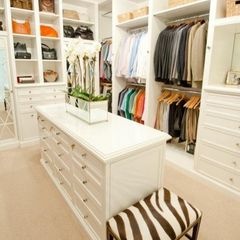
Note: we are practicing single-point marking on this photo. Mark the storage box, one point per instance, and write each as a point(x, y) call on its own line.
point(90, 112)
point(140, 12)
point(232, 8)
point(72, 14)
point(174, 3)
point(124, 17)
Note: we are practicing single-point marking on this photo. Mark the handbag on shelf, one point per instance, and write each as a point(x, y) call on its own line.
point(50, 75)
point(48, 31)
point(46, 5)
point(24, 4)
point(68, 31)
point(20, 51)
point(84, 32)
point(48, 53)
point(21, 27)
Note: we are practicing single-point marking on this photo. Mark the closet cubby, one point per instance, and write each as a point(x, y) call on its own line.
point(87, 13)
point(27, 68)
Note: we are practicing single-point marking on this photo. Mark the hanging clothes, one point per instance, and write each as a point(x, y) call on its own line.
point(131, 103)
point(105, 63)
point(178, 116)
point(131, 57)
point(179, 54)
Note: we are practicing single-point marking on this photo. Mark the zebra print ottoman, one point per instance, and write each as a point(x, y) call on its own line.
point(161, 216)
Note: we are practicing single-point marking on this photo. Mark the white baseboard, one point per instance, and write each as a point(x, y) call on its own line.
point(29, 143)
point(5, 145)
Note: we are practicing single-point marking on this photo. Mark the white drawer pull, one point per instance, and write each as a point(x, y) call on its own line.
point(84, 155)
point(84, 182)
point(84, 167)
point(85, 200)
point(86, 216)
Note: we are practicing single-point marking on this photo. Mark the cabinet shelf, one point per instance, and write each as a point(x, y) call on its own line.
point(51, 38)
point(80, 22)
point(53, 61)
point(224, 89)
point(186, 10)
point(229, 21)
point(25, 85)
point(3, 33)
point(134, 23)
point(26, 60)
point(21, 11)
point(24, 35)
point(48, 16)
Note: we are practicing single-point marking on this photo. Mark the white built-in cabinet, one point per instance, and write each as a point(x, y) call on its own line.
point(218, 143)
point(27, 96)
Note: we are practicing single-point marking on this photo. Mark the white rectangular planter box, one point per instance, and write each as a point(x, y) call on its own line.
point(90, 112)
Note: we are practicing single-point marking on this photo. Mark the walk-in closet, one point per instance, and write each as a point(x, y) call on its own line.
point(119, 120)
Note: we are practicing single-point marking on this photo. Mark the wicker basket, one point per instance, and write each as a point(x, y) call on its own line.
point(124, 17)
point(140, 12)
point(232, 8)
point(174, 3)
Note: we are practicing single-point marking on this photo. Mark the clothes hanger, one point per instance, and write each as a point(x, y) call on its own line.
point(164, 95)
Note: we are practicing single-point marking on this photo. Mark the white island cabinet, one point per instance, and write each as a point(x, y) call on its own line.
point(103, 168)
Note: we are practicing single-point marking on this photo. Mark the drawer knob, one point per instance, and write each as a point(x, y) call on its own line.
point(31, 106)
point(32, 115)
point(86, 216)
point(84, 167)
point(84, 182)
point(61, 183)
point(39, 118)
point(231, 179)
point(85, 200)
point(60, 154)
point(30, 98)
point(58, 133)
point(46, 161)
point(58, 143)
point(73, 146)
point(30, 91)
point(60, 169)
point(44, 150)
point(84, 155)
point(42, 120)
point(43, 128)
point(235, 163)
point(44, 138)
point(238, 144)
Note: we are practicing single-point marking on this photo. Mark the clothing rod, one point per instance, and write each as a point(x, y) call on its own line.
point(188, 18)
point(136, 84)
point(183, 89)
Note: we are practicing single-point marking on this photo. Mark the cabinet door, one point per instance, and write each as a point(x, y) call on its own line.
point(29, 126)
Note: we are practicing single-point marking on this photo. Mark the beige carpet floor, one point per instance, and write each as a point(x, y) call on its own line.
point(31, 208)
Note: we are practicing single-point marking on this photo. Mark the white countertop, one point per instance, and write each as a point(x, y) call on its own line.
point(107, 140)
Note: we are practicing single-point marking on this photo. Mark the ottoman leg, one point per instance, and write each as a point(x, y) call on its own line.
point(196, 230)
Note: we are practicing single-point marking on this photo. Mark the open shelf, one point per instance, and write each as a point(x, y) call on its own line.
point(3, 33)
point(134, 23)
point(223, 88)
point(23, 35)
point(56, 61)
point(26, 60)
point(21, 11)
point(229, 21)
point(186, 10)
point(50, 38)
point(75, 21)
point(1, 9)
point(48, 16)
